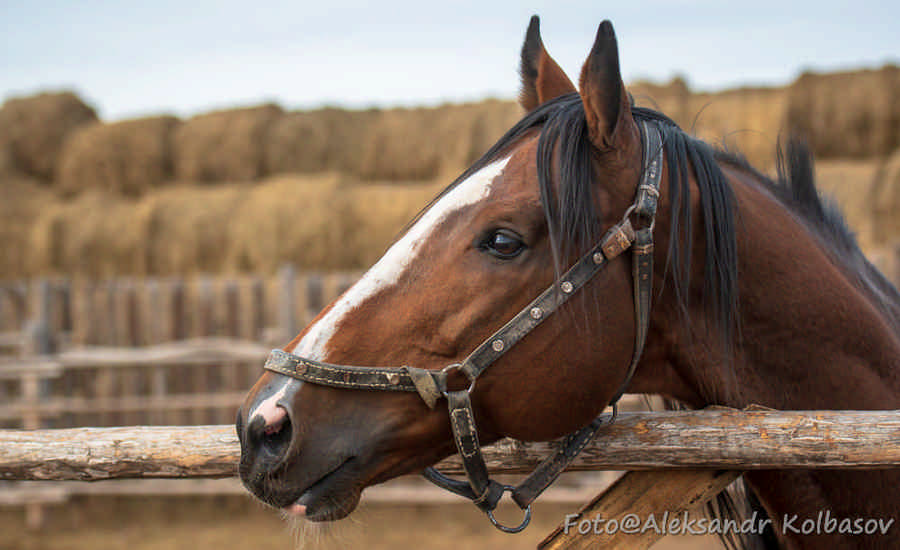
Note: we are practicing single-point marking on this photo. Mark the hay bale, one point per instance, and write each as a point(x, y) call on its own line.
point(671, 98)
point(224, 145)
point(885, 200)
point(852, 184)
point(322, 140)
point(128, 157)
point(32, 131)
point(23, 201)
point(744, 120)
point(316, 222)
point(848, 115)
point(428, 143)
point(398, 145)
point(341, 226)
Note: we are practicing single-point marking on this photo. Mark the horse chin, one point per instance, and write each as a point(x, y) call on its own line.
point(323, 508)
point(331, 498)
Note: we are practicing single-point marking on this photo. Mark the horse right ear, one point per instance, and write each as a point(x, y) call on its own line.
point(542, 79)
point(607, 106)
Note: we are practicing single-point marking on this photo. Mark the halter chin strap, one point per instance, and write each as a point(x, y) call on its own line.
point(432, 385)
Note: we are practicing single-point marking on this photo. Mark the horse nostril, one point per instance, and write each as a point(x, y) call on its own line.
point(269, 433)
point(276, 438)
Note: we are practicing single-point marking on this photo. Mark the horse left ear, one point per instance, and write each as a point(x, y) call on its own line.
point(542, 78)
point(606, 103)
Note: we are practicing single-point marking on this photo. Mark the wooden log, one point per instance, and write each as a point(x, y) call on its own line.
point(631, 500)
point(722, 439)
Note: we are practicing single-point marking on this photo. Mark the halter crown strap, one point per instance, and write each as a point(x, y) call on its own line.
point(432, 385)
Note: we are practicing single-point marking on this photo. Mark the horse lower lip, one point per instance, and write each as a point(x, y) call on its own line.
point(313, 493)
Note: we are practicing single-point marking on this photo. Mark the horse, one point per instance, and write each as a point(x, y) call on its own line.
point(763, 297)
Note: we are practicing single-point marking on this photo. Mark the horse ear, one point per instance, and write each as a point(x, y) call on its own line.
point(542, 79)
point(606, 103)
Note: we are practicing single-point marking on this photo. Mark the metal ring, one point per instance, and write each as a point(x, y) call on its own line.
point(506, 529)
point(457, 366)
point(628, 213)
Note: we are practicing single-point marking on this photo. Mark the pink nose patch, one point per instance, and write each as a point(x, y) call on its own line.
point(273, 415)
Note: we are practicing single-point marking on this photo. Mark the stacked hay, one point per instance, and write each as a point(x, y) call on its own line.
point(21, 201)
point(852, 184)
point(398, 145)
point(853, 114)
point(315, 222)
point(672, 98)
point(885, 201)
point(129, 157)
point(448, 139)
point(33, 129)
point(748, 121)
point(745, 120)
point(224, 145)
point(319, 141)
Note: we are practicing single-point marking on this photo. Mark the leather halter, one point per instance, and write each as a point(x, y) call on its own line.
point(431, 385)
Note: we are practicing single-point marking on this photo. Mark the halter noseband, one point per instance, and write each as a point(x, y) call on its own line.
point(431, 385)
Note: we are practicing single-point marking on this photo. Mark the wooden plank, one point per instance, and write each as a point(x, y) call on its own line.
point(197, 351)
point(128, 404)
point(11, 339)
point(714, 439)
point(635, 496)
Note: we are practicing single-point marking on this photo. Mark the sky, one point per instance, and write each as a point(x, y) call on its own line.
point(130, 59)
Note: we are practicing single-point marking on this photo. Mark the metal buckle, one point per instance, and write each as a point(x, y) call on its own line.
point(456, 366)
point(506, 529)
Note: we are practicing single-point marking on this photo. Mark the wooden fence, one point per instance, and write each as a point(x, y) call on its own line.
point(63, 356)
point(175, 351)
point(135, 312)
point(723, 442)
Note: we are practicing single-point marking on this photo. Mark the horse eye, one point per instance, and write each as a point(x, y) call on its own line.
point(503, 244)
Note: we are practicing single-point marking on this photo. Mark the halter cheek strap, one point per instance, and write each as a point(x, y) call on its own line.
point(432, 385)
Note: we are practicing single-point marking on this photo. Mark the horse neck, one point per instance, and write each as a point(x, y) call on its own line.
point(810, 336)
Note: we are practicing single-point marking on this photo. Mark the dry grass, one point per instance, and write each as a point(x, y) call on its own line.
point(129, 157)
point(33, 129)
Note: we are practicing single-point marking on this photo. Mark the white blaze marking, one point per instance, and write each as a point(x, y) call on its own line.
point(397, 259)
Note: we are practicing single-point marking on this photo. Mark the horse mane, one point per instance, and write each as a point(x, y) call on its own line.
point(564, 151)
point(794, 186)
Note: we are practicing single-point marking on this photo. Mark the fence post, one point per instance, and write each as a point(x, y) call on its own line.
point(155, 330)
point(257, 309)
point(315, 295)
point(287, 315)
point(38, 342)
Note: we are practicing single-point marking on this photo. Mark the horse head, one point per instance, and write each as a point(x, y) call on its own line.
point(477, 255)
